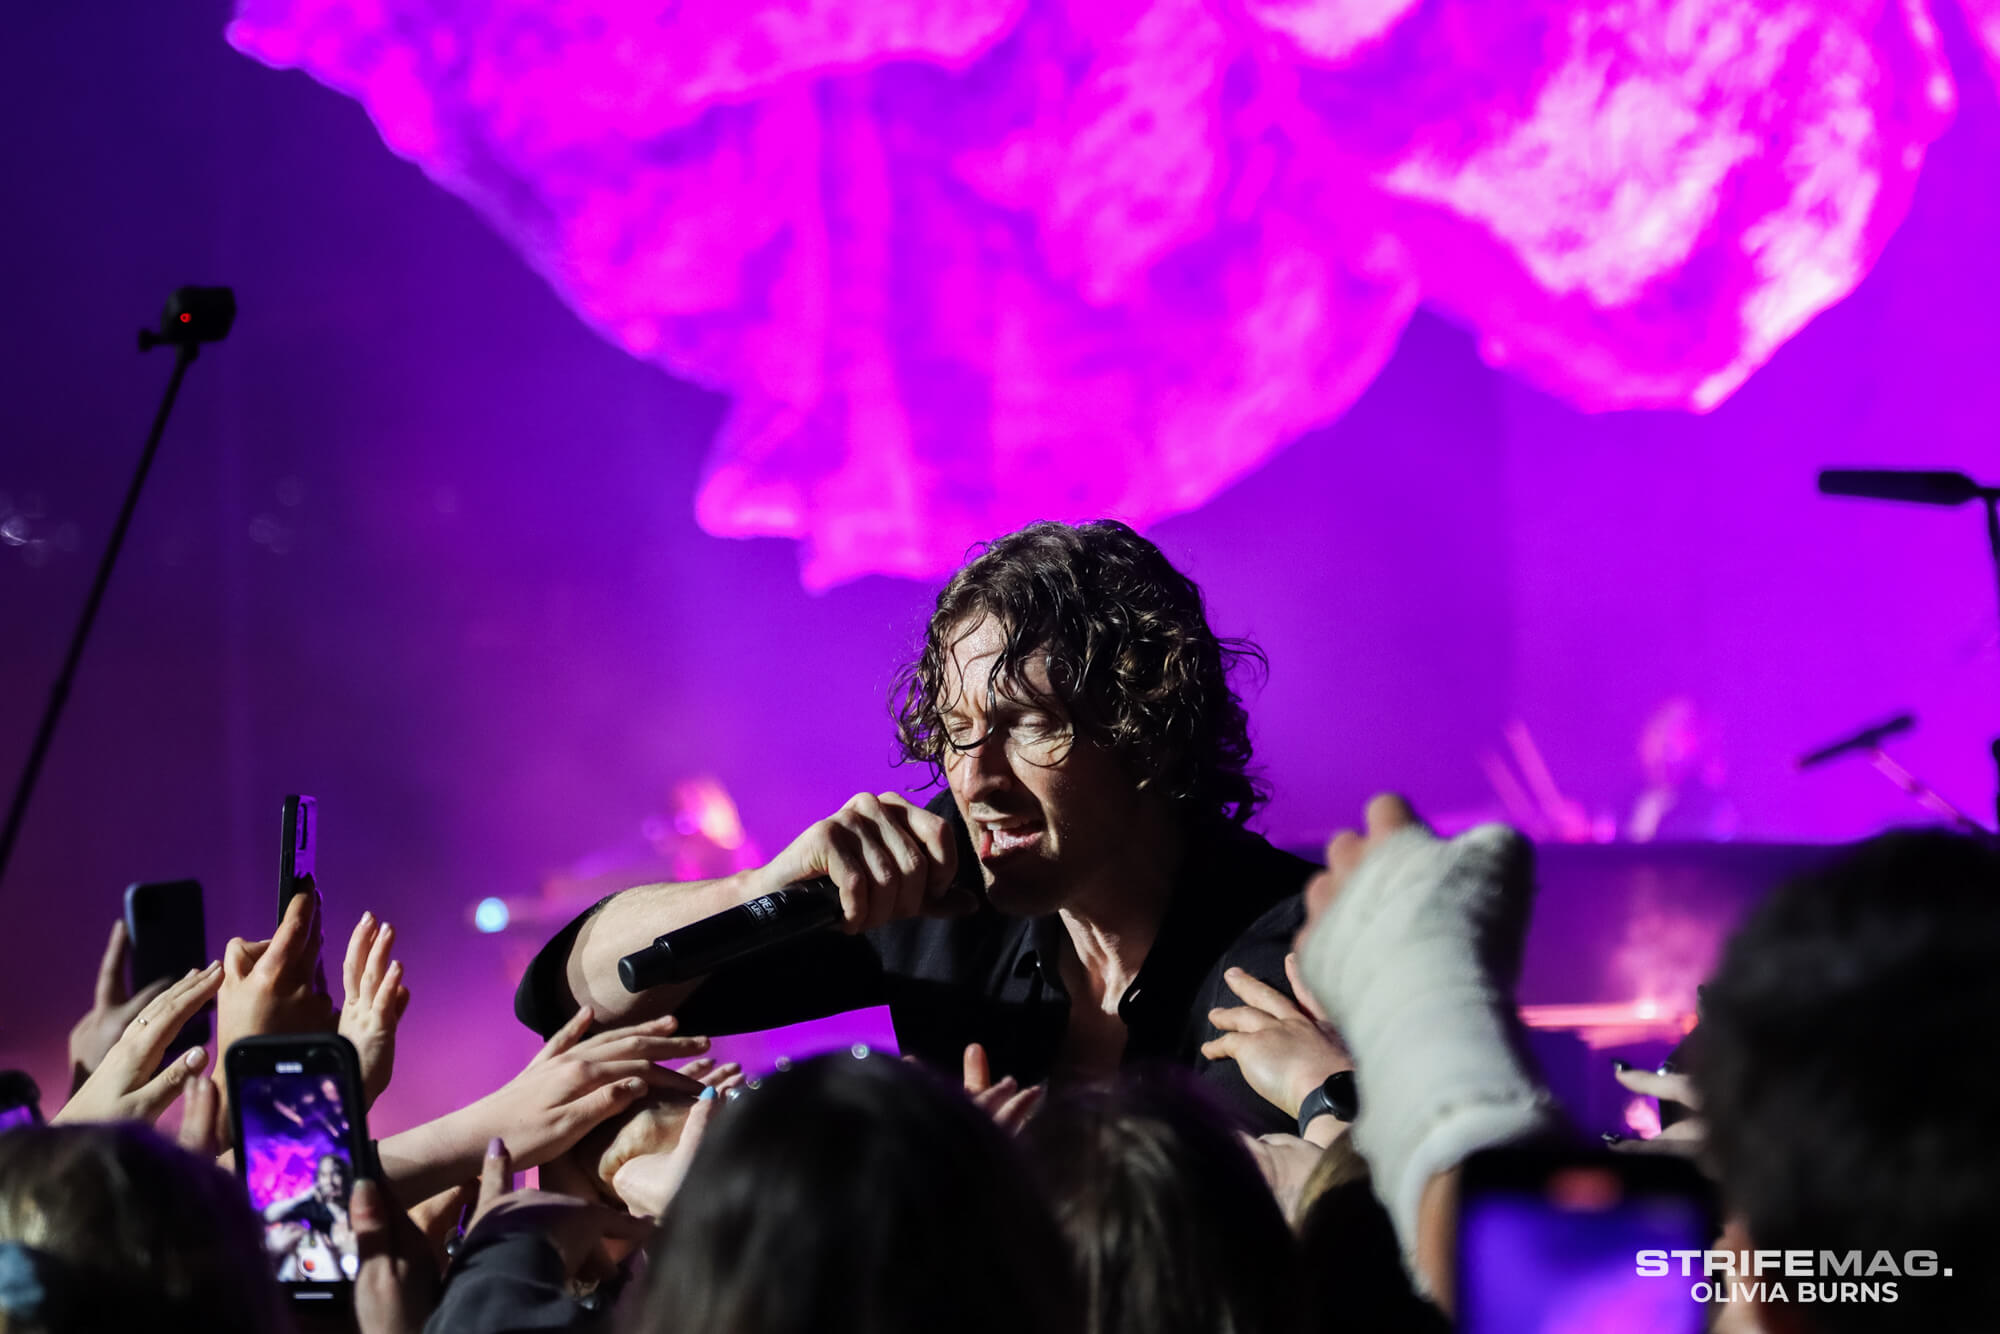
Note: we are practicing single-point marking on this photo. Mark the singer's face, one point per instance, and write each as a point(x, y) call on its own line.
point(1048, 812)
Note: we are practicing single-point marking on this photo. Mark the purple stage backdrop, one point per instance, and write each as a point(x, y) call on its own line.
point(422, 543)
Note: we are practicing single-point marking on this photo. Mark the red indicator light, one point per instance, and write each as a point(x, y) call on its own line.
point(186, 318)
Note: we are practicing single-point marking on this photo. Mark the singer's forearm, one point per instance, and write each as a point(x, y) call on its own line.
point(631, 921)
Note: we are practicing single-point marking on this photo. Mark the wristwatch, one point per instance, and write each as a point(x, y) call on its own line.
point(1334, 1097)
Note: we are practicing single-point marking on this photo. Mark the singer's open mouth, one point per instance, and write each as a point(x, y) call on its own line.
point(1004, 840)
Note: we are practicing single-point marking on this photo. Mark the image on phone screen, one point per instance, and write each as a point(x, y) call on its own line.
point(298, 1164)
point(1559, 1253)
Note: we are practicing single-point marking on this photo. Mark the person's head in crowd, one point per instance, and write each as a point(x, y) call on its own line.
point(1847, 1076)
point(848, 1195)
point(1071, 692)
point(107, 1227)
point(1170, 1223)
point(1350, 1261)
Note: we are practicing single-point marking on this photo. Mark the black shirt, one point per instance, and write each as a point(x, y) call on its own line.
point(994, 979)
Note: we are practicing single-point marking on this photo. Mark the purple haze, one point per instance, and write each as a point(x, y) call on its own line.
point(421, 544)
point(962, 264)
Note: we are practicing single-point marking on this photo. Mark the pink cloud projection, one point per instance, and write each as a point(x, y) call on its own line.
point(965, 263)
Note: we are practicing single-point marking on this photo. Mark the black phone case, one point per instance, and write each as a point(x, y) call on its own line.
point(169, 936)
point(360, 1146)
point(298, 848)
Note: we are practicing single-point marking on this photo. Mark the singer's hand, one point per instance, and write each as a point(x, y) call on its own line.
point(890, 859)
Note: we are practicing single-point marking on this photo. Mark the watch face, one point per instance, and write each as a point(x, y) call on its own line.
point(1340, 1095)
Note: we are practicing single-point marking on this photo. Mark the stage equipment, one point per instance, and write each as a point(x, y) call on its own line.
point(1924, 487)
point(1869, 741)
point(194, 315)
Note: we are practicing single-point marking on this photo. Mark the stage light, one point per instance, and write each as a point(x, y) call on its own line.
point(491, 915)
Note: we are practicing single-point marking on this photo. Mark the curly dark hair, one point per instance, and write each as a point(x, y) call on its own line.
point(1130, 657)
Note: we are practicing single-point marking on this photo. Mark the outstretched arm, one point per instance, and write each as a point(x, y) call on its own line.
point(889, 858)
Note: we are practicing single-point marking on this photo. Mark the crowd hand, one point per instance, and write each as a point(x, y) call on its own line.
point(648, 1182)
point(275, 985)
point(721, 1078)
point(1287, 1163)
point(373, 999)
point(439, 1215)
point(890, 859)
point(574, 1083)
point(201, 1119)
point(1686, 1138)
point(111, 1008)
point(125, 1086)
point(582, 1233)
point(397, 1285)
point(1283, 1052)
point(1386, 815)
point(1006, 1102)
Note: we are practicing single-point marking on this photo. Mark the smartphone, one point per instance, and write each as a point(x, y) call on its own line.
point(1549, 1239)
point(301, 1144)
point(163, 921)
point(295, 860)
point(20, 1100)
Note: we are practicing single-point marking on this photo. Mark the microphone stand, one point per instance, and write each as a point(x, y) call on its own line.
point(185, 352)
point(1927, 488)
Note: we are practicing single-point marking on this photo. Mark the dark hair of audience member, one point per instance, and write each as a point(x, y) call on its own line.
point(115, 1228)
point(1351, 1262)
point(849, 1195)
point(1847, 1073)
point(1172, 1226)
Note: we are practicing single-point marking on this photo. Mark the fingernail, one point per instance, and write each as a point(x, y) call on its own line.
point(1667, 1068)
point(367, 917)
point(1611, 1139)
point(1621, 1066)
point(197, 1058)
point(495, 1147)
point(707, 1094)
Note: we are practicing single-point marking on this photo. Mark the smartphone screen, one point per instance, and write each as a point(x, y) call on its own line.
point(301, 1145)
point(163, 920)
point(1549, 1242)
point(300, 842)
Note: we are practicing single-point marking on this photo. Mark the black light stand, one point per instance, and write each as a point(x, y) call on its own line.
point(194, 315)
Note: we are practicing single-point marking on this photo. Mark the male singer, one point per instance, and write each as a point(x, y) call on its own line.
point(1071, 900)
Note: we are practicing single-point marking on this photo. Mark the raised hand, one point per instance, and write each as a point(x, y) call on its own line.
point(721, 1078)
point(397, 1285)
point(1283, 1052)
point(1287, 1163)
point(585, 1235)
point(201, 1119)
point(125, 1087)
point(1006, 1102)
point(1385, 814)
point(1686, 1138)
point(648, 1182)
point(112, 1007)
point(273, 986)
point(574, 1083)
point(373, 999)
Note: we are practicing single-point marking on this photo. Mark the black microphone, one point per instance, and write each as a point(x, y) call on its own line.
point(1868, 738)
point(1912, 485)
point(699, 948)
